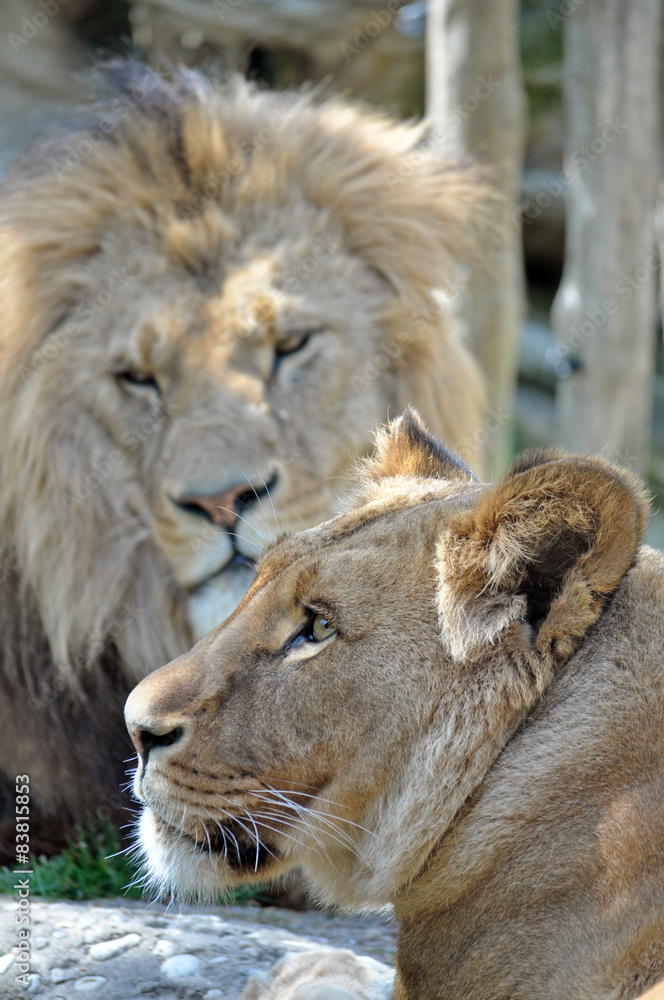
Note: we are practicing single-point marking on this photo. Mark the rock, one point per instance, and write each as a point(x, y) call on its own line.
point(164, 948)
point(89, 983)
point(181, 966)
point(40, 942)
point(109, 949)
point(210, 939)
point(62, 975)
point(35, 983)
point(6, 962)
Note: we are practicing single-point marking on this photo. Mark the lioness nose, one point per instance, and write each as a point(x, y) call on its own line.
point(148, 725)
point(145, 740)
point(226, 507)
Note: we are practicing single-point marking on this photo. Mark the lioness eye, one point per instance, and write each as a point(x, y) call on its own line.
point(321, 629)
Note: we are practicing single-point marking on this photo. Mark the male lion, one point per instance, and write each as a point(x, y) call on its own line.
point(449, 698)
point(208, 295)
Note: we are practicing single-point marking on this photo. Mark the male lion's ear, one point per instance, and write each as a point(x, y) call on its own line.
point(406, 447)
point(531, 565)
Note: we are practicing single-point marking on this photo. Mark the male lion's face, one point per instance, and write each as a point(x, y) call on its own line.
point(225, 384)
point(204, 312)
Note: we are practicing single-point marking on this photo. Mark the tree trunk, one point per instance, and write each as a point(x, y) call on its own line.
point(605, 310)
point(476, 104)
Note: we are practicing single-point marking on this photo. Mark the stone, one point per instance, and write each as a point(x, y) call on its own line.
point(164, 948)
point(62, 975)
point(88, 984)
point(109, 949)
point(181, 966)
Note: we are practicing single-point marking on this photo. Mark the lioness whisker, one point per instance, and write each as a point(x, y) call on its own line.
point(312, 832)
point(342, 838)
point(258, 842)
point(323, 801)
point(303, 815)
point(224, 832)
point(254, 836)
point(260, 817)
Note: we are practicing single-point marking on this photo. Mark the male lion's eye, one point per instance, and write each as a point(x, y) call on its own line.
point(144, 380)
point(291, 343)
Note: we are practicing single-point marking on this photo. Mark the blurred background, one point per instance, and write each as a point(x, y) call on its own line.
point(561, 97)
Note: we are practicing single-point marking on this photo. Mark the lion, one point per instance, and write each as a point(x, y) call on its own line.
point(449, 699)
point(209, 295)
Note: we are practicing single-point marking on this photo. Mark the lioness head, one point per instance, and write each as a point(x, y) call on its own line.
point(209, 295)
point(347, 709)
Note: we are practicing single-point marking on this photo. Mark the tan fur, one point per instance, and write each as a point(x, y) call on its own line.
point(450, 698)
point(186, 230)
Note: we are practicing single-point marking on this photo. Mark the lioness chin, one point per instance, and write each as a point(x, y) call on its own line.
point(449, 698)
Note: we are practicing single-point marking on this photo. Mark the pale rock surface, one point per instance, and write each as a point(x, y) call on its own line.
point(215, 951)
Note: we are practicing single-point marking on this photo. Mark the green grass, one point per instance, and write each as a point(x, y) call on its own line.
point(84, 870)
point(90, 867)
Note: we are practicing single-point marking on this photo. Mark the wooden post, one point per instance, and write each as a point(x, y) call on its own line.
point(476, 104)
point(605, 310)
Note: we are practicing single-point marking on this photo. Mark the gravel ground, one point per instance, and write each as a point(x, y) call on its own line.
point(125, 950)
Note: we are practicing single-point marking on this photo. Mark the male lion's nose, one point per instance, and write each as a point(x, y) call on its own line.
point(226, 507)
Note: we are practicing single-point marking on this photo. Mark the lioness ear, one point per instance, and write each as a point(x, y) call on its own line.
point(406, 447)
point(534, 561)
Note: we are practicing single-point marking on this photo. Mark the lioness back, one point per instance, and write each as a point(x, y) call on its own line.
point(551, 879)
point(449, 698)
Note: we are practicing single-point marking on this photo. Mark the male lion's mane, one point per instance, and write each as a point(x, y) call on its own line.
point(88, 604)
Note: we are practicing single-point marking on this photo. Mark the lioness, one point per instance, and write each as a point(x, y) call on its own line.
point(449, 698)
